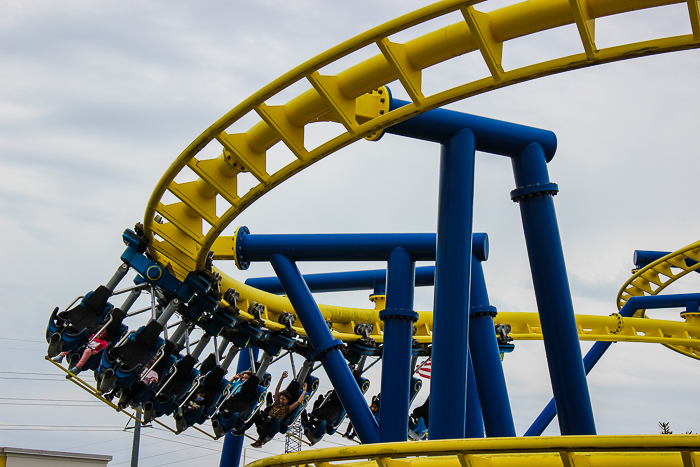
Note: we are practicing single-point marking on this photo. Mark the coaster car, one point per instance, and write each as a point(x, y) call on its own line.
point(236, 409)
point(115, 332)
point(418, 421)
point(282, 426)
point(177, 382)
point(327, 414)
point(120, 366)
point(212, 384)
point(68, 330)
point(139, 393)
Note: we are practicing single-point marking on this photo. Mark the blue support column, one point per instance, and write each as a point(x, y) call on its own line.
point(475, 421)
point(486, 359)
point(551, 284)
point(599, 348)
point(398, 317)
point(448, 381)
point(343, 281)
point(326, 349)
point(233, 445)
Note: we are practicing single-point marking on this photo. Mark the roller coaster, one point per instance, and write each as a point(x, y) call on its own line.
point(153, 365)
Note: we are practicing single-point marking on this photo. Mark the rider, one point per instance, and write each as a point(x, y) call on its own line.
point(279, 410)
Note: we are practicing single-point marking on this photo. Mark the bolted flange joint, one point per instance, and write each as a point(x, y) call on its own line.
point(534, 190)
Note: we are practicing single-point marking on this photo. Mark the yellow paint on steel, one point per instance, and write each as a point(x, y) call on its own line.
point(181, 243)
point(655, 277)
point(637, 450)
point(524, 326)
point(192, 227)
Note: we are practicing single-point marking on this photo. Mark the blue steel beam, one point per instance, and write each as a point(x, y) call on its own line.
point(598, 349)
point(452, 278)
point(331, 247)
point(326, 349)
point(398, 317)
point(492, 136)
point(486, 359)
point(474, 427)
point(343, 281)
point(233, 445)
point(534, 195)
point(645, 257)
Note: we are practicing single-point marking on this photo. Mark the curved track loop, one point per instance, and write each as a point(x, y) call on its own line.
point(182, 241)
point(188, 229)
point(656, 450)
point(655, 277)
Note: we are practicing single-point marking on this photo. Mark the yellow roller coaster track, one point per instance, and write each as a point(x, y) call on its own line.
point(560, 451)
point(655, 277)
point(178, 238)
point(524, 326)
point(181, 239)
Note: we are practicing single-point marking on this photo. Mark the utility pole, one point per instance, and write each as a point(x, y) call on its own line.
point(137, 437)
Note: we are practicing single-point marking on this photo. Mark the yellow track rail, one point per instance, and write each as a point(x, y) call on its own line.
point(524, 326)
point(655, 277)
point(560, 451)
point(183, 242)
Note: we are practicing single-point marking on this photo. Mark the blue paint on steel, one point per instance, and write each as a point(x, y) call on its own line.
point(599, 348)
point(134, 257)
point(553, 296)
point(486, 359)
point(398, 317)
point(333, 247)
point(452, 273)
point(332, 359)
point(645, 257)
point(233, 445)
point(492, 136)
point(343, 281)
point(474, 424)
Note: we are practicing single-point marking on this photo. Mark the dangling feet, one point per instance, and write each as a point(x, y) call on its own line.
point(75, 370)
point(58, 358)
point(257, 444)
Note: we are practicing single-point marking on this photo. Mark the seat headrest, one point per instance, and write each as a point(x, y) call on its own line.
point(149, 334)
point(208, 364)
point(250, 387)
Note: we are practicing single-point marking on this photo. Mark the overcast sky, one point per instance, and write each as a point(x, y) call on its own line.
point(97, 99)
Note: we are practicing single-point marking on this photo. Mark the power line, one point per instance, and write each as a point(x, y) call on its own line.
point(128, 435)
point(169, 452)
point(62, 426)
point(181, 434)
point(46, 400)
point(58, 378)
point(180, 442)
point(27, 373)
point(21, 340)
point(59, 429)
point(84, 404)
point(184, 460)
